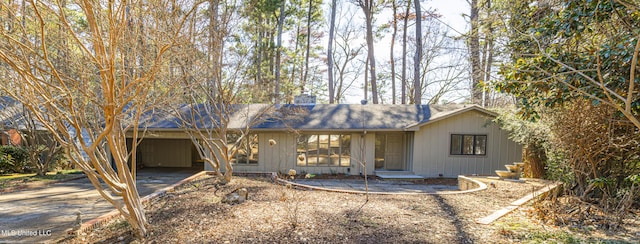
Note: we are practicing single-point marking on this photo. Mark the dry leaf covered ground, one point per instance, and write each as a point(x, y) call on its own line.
point(278, 214)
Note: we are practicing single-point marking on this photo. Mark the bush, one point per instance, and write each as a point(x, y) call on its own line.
point(13, 159)
point(602, 159)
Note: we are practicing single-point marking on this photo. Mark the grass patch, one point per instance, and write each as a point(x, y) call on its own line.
point(11, 180)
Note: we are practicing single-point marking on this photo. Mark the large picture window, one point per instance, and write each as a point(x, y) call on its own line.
point(247, 151)
point(468, 144)
point(323, 150)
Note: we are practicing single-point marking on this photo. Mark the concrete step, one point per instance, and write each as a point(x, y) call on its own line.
point(393, 172)
point(397, 175)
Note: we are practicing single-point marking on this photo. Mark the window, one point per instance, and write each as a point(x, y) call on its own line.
point(323, 150)
point(468, 144)
point(247, 149)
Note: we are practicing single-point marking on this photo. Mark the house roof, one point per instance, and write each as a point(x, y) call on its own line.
point(343, 117)
point(289, 116)
point(12, 115)
point(347, 117)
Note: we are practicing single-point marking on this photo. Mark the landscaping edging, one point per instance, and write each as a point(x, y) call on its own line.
point(469, 181)
point(105, 218)
point(515, 204)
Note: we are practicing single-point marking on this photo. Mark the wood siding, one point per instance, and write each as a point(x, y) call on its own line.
point(431, 147)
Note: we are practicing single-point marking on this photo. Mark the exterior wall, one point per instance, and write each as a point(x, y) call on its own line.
point(165, 153)
point(11, 137)
point(431, 149)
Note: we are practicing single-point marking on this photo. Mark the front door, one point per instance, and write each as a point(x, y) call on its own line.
point(390, 151)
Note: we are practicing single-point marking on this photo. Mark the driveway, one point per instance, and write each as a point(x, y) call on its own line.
point(44, 214)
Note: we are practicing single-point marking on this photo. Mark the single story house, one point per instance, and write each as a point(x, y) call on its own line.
point(425, 140)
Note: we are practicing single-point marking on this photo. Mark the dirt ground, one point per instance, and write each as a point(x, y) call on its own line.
point(278, 214)
point(43, 212)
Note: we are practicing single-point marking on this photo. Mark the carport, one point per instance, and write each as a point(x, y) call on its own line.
point(173, 152)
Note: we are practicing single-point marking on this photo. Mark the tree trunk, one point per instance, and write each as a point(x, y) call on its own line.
point(417, 87)
point(332, 27)
point(367, 7)
point(394, 7)
point(474, 56)
point(404, 54)
point(279, 52)
point(303, 82)
point(488, 53)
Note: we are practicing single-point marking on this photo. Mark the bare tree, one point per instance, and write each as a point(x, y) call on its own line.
point(91, 102)
point(348, 68)
point(403, 78)
point(279, 51)
point(41, 147)
point(332, 26)
point(474, 52)
point(417, 99)
point(369, 7)
point(394, 25)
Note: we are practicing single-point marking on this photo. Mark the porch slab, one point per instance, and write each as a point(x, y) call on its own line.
point(398, 175)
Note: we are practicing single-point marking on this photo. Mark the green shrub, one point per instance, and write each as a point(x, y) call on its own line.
point(13, 159)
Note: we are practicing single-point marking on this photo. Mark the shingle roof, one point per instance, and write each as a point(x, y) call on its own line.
point(271, 117)
point(12, 114)
point(347, 117)
point(308, 117)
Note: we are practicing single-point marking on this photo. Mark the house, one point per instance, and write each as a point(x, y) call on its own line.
point(426, 140)
point(11, 121)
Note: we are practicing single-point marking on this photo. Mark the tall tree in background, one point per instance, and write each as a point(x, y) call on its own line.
point(403, 78)
point(332, 27)
point(473, 43)
point(260, 29)
point(278, 68)
point(91, 101)
point(485, 21)
point(418, 56)
point(486, 63)
point(369, 7)
point(307, 52)
point(394, 31)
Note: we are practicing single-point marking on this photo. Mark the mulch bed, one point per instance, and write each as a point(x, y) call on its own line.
point(277, 214)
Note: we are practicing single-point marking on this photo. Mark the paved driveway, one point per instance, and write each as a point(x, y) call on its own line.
point(44, 214)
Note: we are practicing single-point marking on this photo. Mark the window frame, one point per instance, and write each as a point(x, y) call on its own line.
point(461, 144)
point(304, 149)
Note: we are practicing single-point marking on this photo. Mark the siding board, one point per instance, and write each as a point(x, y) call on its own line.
point(431, 152)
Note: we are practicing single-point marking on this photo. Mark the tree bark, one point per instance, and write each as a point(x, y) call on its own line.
point(279, 52)
point(332, 26)
point(404, 54)
point(417, 97)
point(367, 7)
point(394, 8)
point(474, 54)
point(305, 78)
